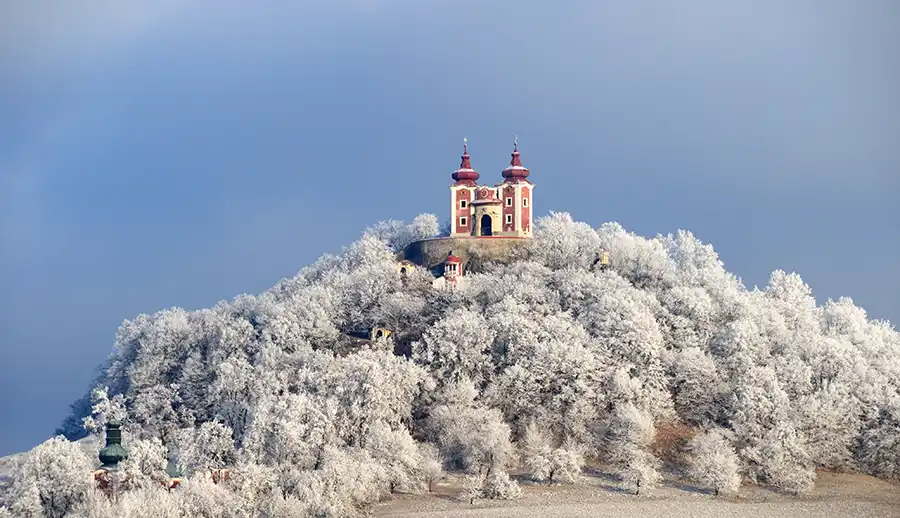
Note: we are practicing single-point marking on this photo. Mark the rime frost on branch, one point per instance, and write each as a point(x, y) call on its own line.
point(273, 387)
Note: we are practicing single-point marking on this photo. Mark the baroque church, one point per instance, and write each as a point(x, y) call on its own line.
point(502, 210)
point(487, 222)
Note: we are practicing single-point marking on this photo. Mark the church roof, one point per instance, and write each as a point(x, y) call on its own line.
point(113, 453)
point(515, 171)
point(465, 174)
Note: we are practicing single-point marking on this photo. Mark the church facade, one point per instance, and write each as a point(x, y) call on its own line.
point(488, 223)
point(500, 210)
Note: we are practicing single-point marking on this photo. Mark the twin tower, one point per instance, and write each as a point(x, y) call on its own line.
point(502, 210)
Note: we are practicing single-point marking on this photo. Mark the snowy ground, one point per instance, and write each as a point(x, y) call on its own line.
point(835, 496)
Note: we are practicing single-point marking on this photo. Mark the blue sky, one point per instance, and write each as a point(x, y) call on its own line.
point(158, 154)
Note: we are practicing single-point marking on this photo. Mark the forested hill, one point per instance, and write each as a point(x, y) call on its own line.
point(536, 363)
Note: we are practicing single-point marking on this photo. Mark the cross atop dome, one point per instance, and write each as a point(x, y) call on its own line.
point(515, 169)
point(465, 174)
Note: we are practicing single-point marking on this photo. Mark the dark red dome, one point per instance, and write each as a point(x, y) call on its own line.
point(465, 173)
point(515, 169)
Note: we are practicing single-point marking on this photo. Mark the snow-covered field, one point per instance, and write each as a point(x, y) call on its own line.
point(836, 495)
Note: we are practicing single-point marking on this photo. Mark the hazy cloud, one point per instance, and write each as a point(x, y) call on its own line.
point(41, 33)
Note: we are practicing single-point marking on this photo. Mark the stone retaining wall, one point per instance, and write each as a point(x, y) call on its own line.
point(474, 251)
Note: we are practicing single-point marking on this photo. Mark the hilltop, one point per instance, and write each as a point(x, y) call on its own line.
point(661, 363)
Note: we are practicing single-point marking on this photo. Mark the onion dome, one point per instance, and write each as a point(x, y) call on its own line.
point(173, 470)
point(515, 170)
point(113, 453)
point(465, 174)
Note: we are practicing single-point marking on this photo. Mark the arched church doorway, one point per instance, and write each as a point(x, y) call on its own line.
point(486, 227)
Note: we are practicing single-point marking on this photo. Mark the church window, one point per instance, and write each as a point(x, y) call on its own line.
point(509, 218)
point(524, 202)
point(462, 221)
point(462, 204)
point(509, 202)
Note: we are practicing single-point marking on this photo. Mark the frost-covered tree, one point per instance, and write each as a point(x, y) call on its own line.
point(536, 449)
point(72, 427)
point(398, 235)
point(543, 461)
point(644, 262)
point(830, 419)
point(474, 439)
point(315, 423)
point(622, 324)
point(564, 243)
point(879, 444)
point(367, 387)
point(346, 481)
point(202, 498)
point(787, 464)
point(471, 437)
point(398, 453)
point(432, 465)
point(145, 466)
point(136, 503)
point(628, 440)
point(294, 428)
point(50, 481)
point(256, 485)
point(551, 374)
point(498, 486)
point(105, 410)
point(772, 448)
point(209, 446)
point(713, 462)
point(472, 487)
point(457, 347)
point(696, 386)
